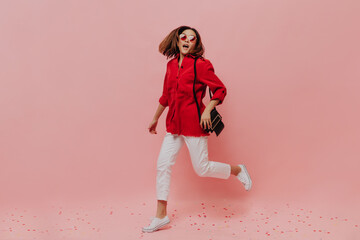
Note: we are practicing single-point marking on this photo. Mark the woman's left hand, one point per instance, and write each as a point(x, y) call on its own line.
point(205, 121)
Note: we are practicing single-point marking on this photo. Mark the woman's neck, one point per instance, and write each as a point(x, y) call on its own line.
point(181, 57)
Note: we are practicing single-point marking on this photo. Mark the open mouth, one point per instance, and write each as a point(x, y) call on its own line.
point(185, 46)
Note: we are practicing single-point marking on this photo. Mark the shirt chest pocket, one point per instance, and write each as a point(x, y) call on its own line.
point(171, 85)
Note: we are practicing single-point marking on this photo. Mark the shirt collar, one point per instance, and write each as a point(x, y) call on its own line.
point(186, 55)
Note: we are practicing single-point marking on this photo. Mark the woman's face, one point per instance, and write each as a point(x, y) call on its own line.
point(186, 46)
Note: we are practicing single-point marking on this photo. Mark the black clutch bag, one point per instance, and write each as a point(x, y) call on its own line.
point(216, 120)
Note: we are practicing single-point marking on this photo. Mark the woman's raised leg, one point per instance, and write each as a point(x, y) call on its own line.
point(198, 149)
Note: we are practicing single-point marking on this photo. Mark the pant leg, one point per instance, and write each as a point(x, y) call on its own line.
point(198, 149)
point(170, 148)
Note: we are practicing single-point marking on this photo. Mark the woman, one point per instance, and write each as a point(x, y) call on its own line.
point(182, 121)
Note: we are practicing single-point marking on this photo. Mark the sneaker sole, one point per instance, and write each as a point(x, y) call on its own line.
point(247, 174)
point(157, 227)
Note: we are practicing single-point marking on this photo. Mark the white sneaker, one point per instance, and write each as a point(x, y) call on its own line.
point(156, 223)
point(244, 177)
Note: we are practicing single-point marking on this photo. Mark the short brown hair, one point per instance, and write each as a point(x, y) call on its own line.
point(169, 48)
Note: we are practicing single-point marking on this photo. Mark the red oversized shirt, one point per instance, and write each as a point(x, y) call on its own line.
point(182, 117)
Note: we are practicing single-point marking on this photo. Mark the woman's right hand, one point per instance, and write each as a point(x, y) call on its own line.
point(152, 126)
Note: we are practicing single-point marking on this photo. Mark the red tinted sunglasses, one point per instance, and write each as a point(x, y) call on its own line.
point(183, 37)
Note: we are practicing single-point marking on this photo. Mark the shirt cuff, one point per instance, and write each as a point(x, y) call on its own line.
point(220, 95)
point(163, 101)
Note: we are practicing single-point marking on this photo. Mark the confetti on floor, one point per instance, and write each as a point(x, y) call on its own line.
point(193, 220)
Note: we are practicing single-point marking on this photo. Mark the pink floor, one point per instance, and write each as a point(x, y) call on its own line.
point(207, 220)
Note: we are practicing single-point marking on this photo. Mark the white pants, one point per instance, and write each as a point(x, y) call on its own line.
point(198, 150)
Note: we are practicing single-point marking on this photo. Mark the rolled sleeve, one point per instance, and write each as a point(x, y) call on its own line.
point(207, 76)
point(163, 100)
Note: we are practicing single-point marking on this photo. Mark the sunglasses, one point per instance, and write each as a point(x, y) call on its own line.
point(183, 37)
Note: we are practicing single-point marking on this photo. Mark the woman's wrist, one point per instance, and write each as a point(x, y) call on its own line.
point(207, 109)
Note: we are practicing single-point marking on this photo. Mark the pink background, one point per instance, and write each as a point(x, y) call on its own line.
point(80, 82)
